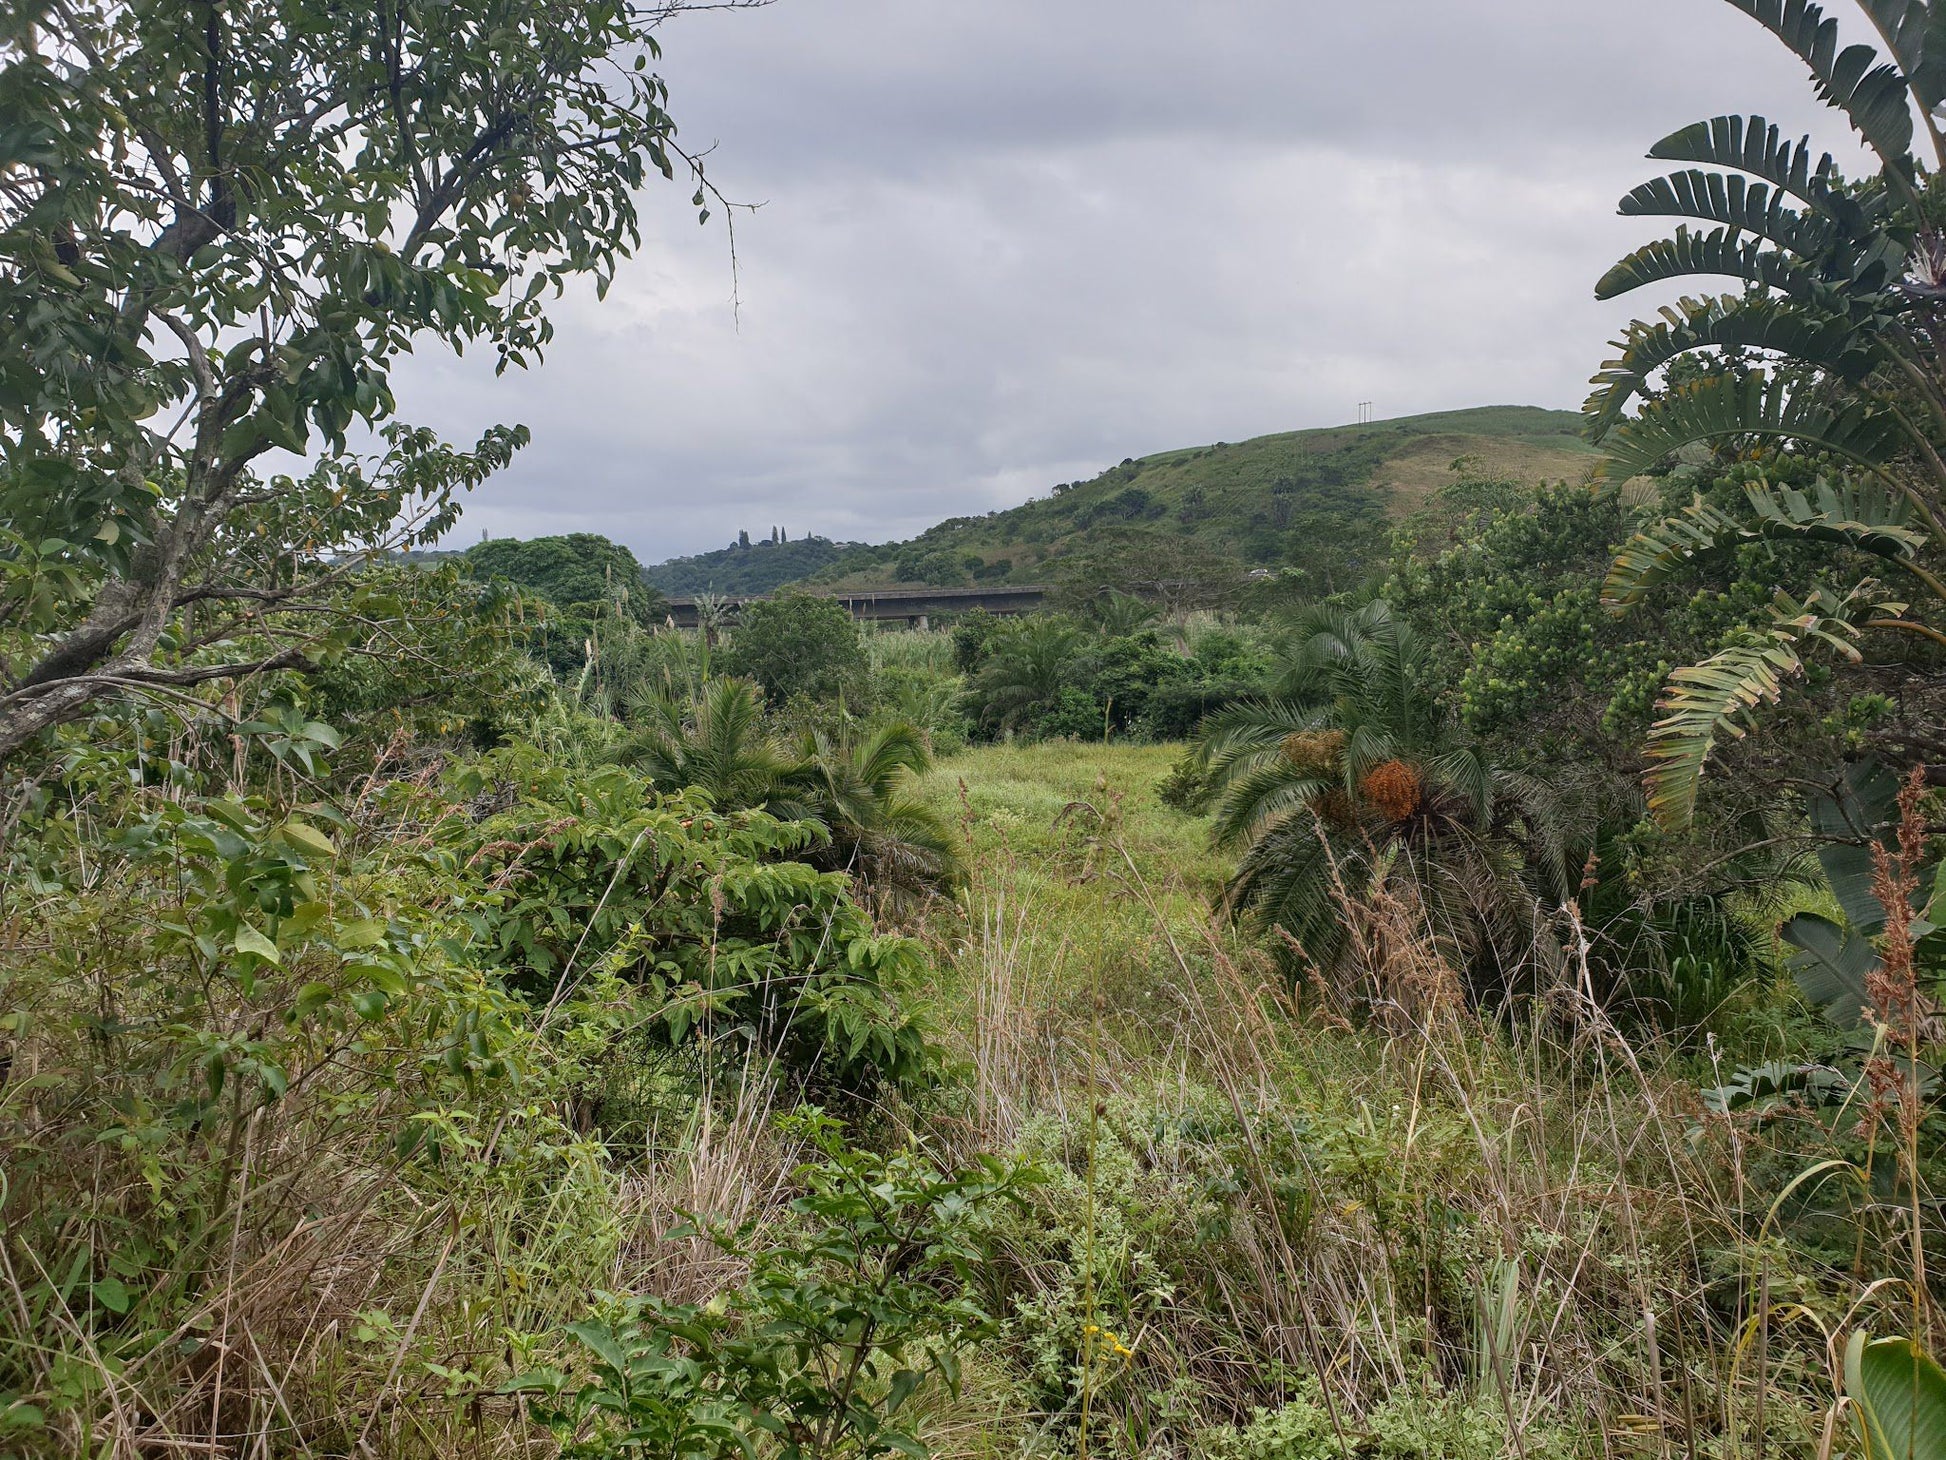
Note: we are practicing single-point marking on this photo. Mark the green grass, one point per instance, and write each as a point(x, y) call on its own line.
point(1081, 879)
point(1275, 1202)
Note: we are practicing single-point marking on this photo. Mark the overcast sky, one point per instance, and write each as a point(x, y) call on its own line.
point(1005, 243)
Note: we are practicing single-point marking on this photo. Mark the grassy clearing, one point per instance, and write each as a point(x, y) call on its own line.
point(1093, 922)
point(1271, 1234)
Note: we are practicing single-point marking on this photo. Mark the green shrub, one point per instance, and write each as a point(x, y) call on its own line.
point(709, 914)
point(816, 1355)
point(796, 644)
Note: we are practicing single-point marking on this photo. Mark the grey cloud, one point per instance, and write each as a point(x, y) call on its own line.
point(1006, 244)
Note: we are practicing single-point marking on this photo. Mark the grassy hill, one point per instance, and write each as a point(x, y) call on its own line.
point(1320, 500)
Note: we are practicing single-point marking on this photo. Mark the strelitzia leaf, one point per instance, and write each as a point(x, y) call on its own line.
point(1759, 406)
point(1755, 146)
point(1724, 251)
point(1830, 964)
point(1657, 554)
point(1872, 94)
point(1915, 33)
point(1716, 698)
point(1803, 333)
point(1899, 1397)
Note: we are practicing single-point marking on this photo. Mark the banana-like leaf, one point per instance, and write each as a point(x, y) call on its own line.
point(1722, 251)
point(1720, 696)
point(1899, 1396)
point(1808, 335)
point(1700, 702)
point(1915, 33)
point(1736, 202)
point(1830, 964)
point(1656, 554)
point(1755, 146)
point(1848, 819)
point(1863, 515)
point(1874, 95)
point(1719, 407)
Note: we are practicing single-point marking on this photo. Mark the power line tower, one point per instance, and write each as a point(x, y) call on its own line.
point(1364, 413)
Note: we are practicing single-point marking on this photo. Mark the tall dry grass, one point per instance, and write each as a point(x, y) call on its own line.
point(1533, 1230)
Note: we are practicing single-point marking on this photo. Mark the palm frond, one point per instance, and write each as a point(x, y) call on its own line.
point(1467, 772)
point(1874, 94)
point(1250, 728)
point(1289, 879)
point(1262, 795)
point(1804, 334)
point(894, 750)
point(1757, 405)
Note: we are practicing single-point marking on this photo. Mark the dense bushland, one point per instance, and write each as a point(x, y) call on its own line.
point(1432, 1007)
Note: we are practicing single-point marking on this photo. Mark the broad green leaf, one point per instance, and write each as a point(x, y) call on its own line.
point(249, 940)
point(1871, 93)
point(1900, 1394)
point(1851, 817)
point(312, 997)
point(601, 1341)
point(308, 838)
point(113, 1295)
point(1830, 965)
point(358, 933)
point(1759, 406)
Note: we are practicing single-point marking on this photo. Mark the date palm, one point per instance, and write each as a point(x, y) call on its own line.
point(853, 783)
point(1026, 669)
point(1351, 770)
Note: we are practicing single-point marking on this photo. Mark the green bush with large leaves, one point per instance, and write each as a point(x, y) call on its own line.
point(1824, 359)
point(732, 937)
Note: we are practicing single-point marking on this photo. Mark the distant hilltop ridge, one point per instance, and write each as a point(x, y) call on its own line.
point(1321, 501)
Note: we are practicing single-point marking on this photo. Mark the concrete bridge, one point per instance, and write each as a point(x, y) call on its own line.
point(915, 607)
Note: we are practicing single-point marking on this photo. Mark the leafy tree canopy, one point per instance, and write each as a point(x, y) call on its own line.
point(219, 226)
point(798, 645)
point(580, 568)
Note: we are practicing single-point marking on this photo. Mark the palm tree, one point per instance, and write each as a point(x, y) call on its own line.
point(1118, 614)
point(715, 743)
point(1350, 771)
point(1025, 669)
point(857, 782)
point(1844, 284)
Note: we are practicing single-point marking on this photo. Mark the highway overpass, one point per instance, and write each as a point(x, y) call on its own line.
point(914, 607)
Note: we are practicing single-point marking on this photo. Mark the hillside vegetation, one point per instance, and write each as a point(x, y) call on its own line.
point(747, 568)
point(1321, 501)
